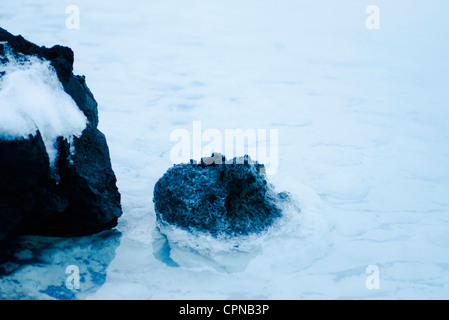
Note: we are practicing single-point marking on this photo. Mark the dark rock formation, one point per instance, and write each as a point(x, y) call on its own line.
point(82, 197)
point(216, 196)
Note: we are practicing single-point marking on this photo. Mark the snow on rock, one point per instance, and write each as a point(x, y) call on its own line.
point(34, 99)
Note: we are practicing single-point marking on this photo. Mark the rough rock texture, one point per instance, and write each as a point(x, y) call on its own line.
point(81, 197)
point(219, 197)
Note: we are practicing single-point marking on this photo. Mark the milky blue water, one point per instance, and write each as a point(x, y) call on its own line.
point(362, 117)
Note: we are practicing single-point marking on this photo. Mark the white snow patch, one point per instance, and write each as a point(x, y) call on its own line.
point(32, 98)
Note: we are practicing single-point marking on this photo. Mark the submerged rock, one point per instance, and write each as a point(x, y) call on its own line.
point(218, 196)
point(42, 268)
point(75, 195)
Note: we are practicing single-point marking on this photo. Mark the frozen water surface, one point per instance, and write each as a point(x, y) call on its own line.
point(362, 117)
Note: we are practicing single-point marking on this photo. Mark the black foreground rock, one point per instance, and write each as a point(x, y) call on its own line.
point(83, 198)
point(218, 197)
